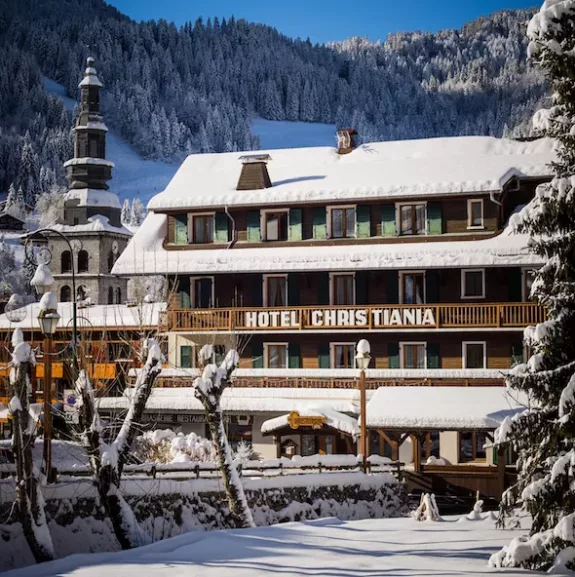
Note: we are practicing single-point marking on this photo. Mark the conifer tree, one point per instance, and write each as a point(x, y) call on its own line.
point(544, 434)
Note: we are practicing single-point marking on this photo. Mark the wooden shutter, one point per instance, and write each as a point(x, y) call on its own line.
point(293, 289)
point(184, 290)
point(221, 223)
point(253, 222)
point(257, 291)
point(171, 229)
point(319, 223)
point(186, 357)
point(257, 356)
point(392, 287)
point(388, 220)
point(516, 353)
point(515, 281)
point(363, 221)
point(323, 356)
point(432, 286)
point(433, 361)
point(294, 361)
point(361, 287)
point(434, 224)
point(181, 228)
point(393, 355)
point(323, 288)
point(295, 227)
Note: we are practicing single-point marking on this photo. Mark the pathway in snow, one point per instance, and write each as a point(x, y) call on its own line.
point(323, 548)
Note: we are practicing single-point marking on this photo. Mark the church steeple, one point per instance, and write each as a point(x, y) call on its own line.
point(89, 167)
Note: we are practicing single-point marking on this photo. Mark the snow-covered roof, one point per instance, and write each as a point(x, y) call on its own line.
point(100, 316)
point(92, 125)
point(333, 419)
point(96, 223)
point(244, 399)
point(145, 254)
point(447, 408)
point(89, 160)
point(93, 197)
point(435, 166)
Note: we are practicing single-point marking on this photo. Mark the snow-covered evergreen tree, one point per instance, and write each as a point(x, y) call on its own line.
point(126, 214)
point(137, 212)
point(544, 435)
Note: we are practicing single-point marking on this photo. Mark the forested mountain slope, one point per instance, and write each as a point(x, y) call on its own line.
point(171, 91)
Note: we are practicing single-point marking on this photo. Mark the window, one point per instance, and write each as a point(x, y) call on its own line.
point(342, 222)
point(202, 292)
point(93, 147)
point(65, 294)
point(110, 261)
point(474, 355)
point(237, 434)
point(118, 295)
point(412, 219)
point(66, 261)
point(276, 355)
point(475, 213)
point(83, 259)
point(343, 355)
point(202, 228)
point(429, 445)
point(471, 445)
point(275, 291)
point(342, 289)
point(528, 276)
point(82, 294)
point(275, 225)
point(412, 288)
point(413, 355)
point(473, 284)
point(110, 295)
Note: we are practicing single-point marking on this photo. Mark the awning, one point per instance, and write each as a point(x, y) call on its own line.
point(441, 408)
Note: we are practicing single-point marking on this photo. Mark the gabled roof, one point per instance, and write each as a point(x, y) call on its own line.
point(399, 169)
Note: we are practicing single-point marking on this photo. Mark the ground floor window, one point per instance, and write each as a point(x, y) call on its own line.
point(429, 445)
point(238, 434)
point(412, 355)
point(308, 445)
point(343, 355)
point(276, 355)
point(471, 445)
point(379, 446)
point(474, 355)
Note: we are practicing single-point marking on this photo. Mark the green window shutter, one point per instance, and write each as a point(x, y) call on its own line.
point(293, 289)
point(323, 356)
point(319, 223)
point(433, 361)
point(295, 228)
point(434, 224)
point(257, 356)
point(516, 353)
point(361, 287)
point(323, 288)
point(388, 220)
point(392, 287)
point(254, 221)
point(515, 285)
point(294, 361)
point(257, 291)
point(393, 355)
point(181, 226)
point(184, 288)
point(363, 221)
point(186, 357)
point(432, 286)
point(221, 234)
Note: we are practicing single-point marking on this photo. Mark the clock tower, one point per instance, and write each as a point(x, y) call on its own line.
point(91, 219)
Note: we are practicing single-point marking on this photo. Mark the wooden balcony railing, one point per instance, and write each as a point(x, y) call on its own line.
point(435, 316)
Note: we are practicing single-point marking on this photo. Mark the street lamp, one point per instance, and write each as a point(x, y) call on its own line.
point(42, 279)
point(362, 359)
point(48, 318)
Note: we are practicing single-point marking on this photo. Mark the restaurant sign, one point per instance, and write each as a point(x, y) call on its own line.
point(295, 421)
point(193, 418)
point(341, 318)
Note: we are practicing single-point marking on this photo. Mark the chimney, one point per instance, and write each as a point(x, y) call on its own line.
point(254, 175)
point(346, 140)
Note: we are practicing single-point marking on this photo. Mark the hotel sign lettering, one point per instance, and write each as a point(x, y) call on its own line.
point(341, 318)
point(295, 421)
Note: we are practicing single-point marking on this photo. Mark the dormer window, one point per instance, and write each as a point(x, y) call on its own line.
point(202, 228)
point(342, 222)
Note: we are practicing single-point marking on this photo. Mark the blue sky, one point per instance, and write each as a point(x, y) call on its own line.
point(325, 20)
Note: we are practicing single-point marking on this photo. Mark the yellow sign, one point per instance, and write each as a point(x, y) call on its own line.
point(295, 420)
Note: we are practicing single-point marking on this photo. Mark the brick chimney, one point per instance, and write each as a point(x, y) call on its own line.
point(254, 175)
point(346, 140)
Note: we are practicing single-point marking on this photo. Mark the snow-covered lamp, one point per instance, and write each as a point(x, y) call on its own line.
point(363, 357)
point(42, 279)
point(48, 316)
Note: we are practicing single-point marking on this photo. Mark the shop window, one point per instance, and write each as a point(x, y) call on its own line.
point(474, 355)
point(475, 213)
point(413, 355)
point(412, 288)
point(342, 289)
point(276, 355)
point(473, 283)
point(342, 222)
point(412, 219)
point(275, 290)
point(308, 445)
point(66, 261)
point(275, 225)
point(83, 259)
point(237, 434)
point(343, 355)
point(471, 446)
point(202, 228)
point(65, 294)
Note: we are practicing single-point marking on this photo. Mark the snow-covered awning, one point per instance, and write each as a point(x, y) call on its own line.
point(443, 408)
point(330, 417)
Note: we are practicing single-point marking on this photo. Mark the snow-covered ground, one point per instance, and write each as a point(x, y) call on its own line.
point(285, 134)
point(132, 177)
point(402, 547)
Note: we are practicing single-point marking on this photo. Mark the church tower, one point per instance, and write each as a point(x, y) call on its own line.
point(92, 212)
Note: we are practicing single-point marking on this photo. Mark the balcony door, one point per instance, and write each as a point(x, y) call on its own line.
point(203, 292)
point(412, 288)
point(342, 289)
point(275, 291)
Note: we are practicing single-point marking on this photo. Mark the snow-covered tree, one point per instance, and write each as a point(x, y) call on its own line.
point(209, 389)
point(126, 214)
point(544, 434)
point(137, 212)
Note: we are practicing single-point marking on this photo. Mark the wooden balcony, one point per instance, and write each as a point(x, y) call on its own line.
point(378, 317)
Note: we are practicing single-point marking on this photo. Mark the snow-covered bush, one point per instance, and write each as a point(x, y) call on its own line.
point(166, 446)
point(244, 453)
point(427, 510)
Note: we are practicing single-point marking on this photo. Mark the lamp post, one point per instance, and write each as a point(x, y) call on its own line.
point(362, 359)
